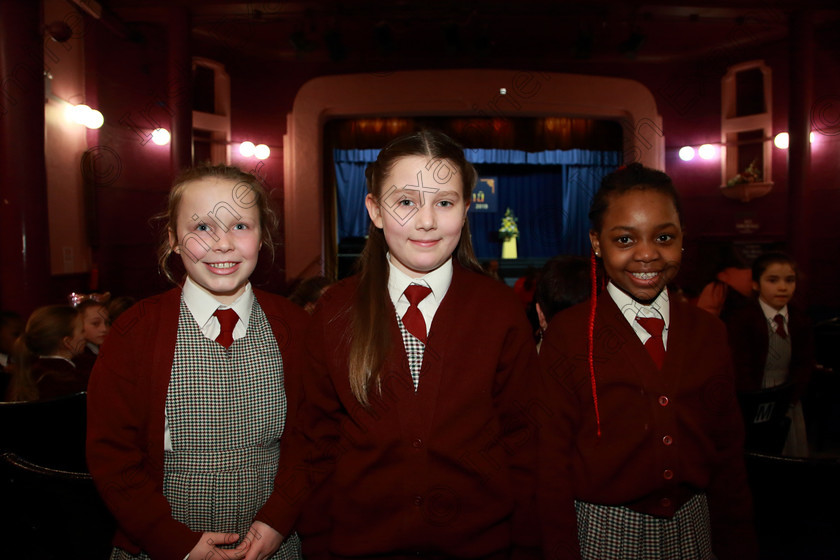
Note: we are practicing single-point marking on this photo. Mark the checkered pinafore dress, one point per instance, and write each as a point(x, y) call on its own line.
point(620, 533)
point(226, 409)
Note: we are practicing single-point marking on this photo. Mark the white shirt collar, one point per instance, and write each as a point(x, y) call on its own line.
point(438, 280)
point(68, 360)
point(630, 308)
point(202, 305)
point(659, 308)
point(771, 312)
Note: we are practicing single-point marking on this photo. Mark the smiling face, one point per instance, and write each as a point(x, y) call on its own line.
point(219, 241)
point(776, 285)
point(640, 242)
point(420, 217)
point(95, 324)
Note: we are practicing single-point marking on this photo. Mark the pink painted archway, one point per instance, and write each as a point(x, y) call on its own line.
point(443, 92)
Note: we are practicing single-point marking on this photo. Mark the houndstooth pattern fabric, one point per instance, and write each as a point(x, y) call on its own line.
point(226, 410)
point(617, 532)
point(777, 365)
point(414, 350)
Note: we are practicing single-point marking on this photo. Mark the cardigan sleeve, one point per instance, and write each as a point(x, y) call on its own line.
point(519, 416)
point(802, 360)
point(746, 331)
point(310, 443)
point(554, 482)
point(119, 461)
point(730, 501)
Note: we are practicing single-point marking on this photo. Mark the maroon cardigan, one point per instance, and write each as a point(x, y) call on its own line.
point(691, 401)
point(750, 343)
point(448, 471)
point(55, 378)
point(126, 401)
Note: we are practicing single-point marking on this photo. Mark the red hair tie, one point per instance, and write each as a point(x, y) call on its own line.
point(593, 303)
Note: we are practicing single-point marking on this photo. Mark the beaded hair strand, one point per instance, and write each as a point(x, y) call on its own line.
point(593, 304)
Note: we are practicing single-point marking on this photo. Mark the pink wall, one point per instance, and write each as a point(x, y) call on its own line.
point(130, 78)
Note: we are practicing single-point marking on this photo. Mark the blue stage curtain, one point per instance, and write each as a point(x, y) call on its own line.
point(351, 189)
point(549, 192)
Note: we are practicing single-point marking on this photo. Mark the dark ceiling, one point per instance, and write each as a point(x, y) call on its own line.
point(391, 33)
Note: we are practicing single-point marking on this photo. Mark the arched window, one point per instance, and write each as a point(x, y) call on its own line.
point(747, 122)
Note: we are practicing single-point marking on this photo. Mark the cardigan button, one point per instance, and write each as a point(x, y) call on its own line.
point(667, 474)
point(665, 502)
point(667, 440)
point(663, 401)
point(418, 501)
point(417, 443)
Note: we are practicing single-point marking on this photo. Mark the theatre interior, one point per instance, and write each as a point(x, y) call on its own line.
point(104, 102)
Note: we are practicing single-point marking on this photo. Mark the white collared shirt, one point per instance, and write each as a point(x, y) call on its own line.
point(438, 280)
point(201, 306)
point(65, 358)
point(659, 308)
point(770, 313)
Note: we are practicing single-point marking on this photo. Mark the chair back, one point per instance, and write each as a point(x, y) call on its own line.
point(52, 513)
point(49, 433)
point(795, 502)
point(765, 418)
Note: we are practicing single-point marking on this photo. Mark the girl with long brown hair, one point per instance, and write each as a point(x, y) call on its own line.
point(415, 425)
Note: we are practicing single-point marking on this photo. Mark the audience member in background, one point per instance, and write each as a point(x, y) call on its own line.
point(562, 283)
point(96, 326)
point(43, 355)
point(772, 341)
point(11, 327)
point(309, 291)
point(491, 268)
point(119, 304)
point(525, 286)
point(731, 287)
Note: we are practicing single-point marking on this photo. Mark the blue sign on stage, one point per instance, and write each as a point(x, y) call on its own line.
point(485, 197)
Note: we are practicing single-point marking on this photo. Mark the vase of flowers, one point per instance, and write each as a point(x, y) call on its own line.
point(749, 175)
point(508, 234)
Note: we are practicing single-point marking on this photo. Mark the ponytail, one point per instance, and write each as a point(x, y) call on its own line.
point(44, 334)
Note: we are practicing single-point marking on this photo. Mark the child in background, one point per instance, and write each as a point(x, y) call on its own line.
point(423, 367)
point(642, 456)
point(189, 396)
point(730, 289)
point(43, 355)
point(11, 327)
point(308, 292)
point(96, 326)
point(562, 283)
point(772, 341)
point(118, 305)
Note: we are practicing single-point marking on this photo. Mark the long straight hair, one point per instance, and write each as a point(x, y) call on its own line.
point(370, 336)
